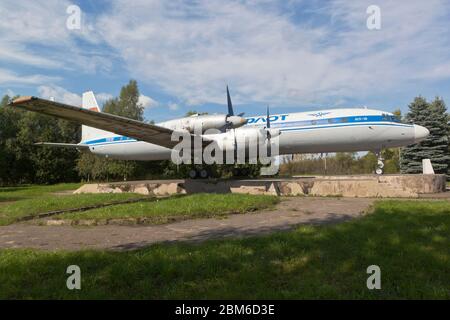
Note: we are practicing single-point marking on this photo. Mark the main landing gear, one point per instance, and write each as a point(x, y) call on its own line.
point(201, 173)
point(380, 163)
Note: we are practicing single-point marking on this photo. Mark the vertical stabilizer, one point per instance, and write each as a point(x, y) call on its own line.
point(90, 103)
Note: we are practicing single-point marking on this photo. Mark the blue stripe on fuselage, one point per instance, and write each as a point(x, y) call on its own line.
point(282, 121)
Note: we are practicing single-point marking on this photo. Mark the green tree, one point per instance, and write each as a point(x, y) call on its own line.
point(47, 164)
point(127, 105)
point(397, 113)
point(438, 131)
point(23, 162)
point(10, 167)
point(411, 156)
point(435, 146)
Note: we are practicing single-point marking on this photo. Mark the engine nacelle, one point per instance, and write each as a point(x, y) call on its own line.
point(242, 138)
point(245, 142)
point(220, 122)
point(205, 122)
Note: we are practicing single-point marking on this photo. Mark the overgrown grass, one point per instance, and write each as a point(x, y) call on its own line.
point(408, 240)
point(176, 208)
point(11, 212)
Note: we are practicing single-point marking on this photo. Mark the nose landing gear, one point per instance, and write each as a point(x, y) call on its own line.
point(380, 163)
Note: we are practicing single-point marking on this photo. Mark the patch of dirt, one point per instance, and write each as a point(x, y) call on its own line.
point(286, 215)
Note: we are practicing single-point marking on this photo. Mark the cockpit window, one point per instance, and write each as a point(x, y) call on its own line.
point(391, 118)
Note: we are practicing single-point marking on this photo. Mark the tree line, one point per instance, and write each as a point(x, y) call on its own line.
point(22, 162)
point(341, 163)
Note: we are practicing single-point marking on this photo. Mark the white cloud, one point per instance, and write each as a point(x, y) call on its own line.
point(103, 97)
point(59, 94)
point(147, 102)
point(18, 54)
point(173, 106)
point(65, 96)
point(193, 50)
point(9, 93)
point(34, 33)
point(8, 77)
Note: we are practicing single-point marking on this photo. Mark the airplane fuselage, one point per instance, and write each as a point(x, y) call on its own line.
point(335, 130)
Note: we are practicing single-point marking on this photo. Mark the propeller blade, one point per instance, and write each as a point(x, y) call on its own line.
point(230, 105)
point(269, 135)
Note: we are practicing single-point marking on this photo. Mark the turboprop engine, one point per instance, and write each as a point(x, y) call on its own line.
point(203, 122)
point(246, 137)
point(220, 122)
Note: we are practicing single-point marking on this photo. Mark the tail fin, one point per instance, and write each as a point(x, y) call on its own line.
point(89, 102)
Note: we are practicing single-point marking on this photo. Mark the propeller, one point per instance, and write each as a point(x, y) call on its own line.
point(270, 133)
point(230, 105)
point(269, 136)
point(232, 120)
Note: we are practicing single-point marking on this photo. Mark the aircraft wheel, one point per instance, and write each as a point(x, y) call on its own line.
point(380, 163)
point(204, 174)
point(192, 174)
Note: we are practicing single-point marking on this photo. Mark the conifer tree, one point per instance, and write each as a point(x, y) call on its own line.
point(435, 146)
point(411, 156)
point(439, 155)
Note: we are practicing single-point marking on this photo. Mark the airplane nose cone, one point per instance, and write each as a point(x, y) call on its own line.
point(237, 121)
point(420, 133)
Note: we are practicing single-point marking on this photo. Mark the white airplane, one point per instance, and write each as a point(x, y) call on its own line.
point(334, 130)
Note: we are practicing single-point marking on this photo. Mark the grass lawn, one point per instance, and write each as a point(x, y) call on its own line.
point(408, 240)
point(10, 212)
point(17, 202)
point(176, 208)
point(8, 194)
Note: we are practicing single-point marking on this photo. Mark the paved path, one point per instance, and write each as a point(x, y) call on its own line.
point(287, 214)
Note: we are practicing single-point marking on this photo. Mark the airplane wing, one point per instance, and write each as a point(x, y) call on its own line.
point(120, 125)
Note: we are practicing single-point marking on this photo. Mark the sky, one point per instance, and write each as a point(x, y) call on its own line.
point(292, 55)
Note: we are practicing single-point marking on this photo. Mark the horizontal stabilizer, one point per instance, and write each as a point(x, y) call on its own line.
point(63, 145)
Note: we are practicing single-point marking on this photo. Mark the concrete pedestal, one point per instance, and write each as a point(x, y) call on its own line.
point(384, 186)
